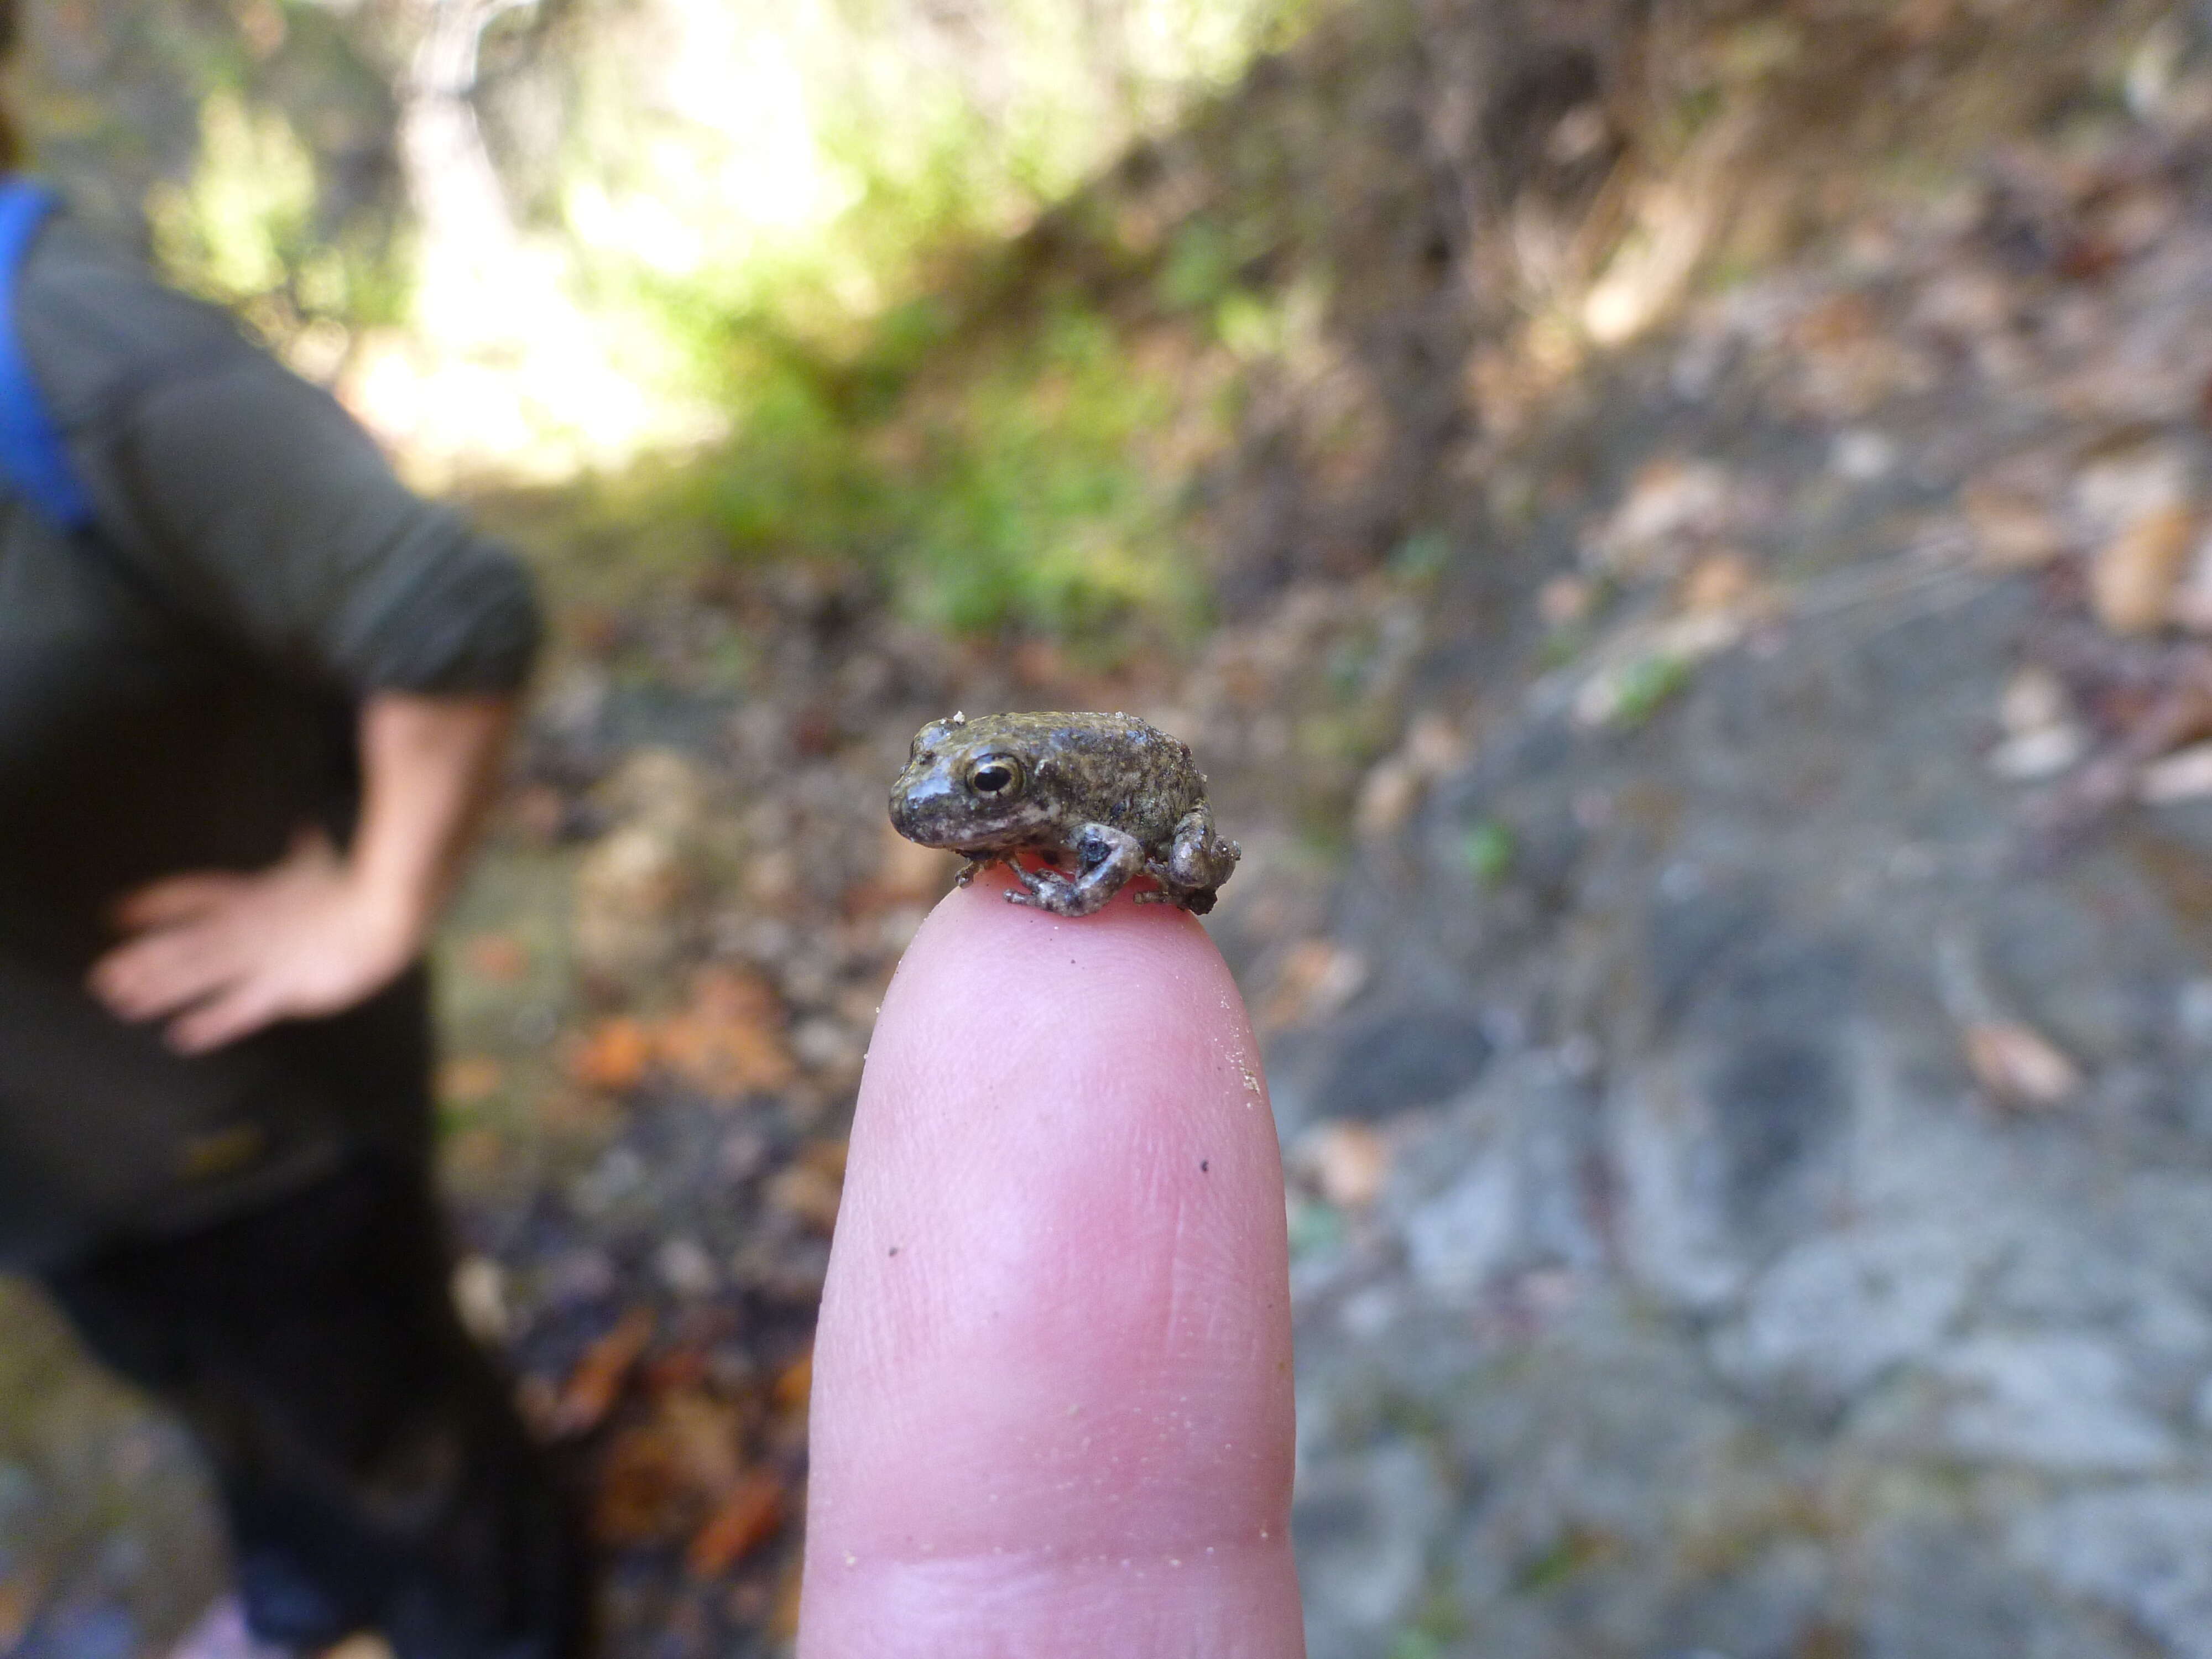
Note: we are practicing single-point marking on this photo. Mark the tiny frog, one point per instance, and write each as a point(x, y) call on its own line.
point(1115, 796)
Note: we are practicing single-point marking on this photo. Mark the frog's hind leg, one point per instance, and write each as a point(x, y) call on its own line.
point(1108, 858)
point(1197, 863)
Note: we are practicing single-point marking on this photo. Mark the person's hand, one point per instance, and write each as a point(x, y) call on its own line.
point(220, 954)
point(1052, 1409)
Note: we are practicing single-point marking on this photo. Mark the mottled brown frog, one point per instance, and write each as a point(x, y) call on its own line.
point(1113, 796)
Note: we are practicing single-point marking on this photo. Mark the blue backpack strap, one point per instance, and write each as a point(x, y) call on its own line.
point(33, 458)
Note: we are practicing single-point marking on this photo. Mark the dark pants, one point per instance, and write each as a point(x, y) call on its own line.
point(374, 1470)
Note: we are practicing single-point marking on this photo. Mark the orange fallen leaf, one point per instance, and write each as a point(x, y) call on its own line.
point(614, 1056)
point(795, 1383)
point(598, 1379)
point(705, 1433)
point(746, 1518)
point(728, 1041)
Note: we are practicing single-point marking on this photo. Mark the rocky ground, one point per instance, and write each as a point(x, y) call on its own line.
point(1738, 1048)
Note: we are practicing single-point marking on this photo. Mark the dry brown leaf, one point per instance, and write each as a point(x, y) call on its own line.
point(827, 1155)
point(2019, 1066)
point(907, 872)
point(706, 1433)
point(17, 1605)
point(1388, 796)
point(1718, 582)
point(2014, 529)
point(2135, 571)
point(1317, 978)
point(498, 956)
point(809, 1194)
point(1346, 1161)
point(795, 1383)
point(729, 1041)
point(614, 1056)
point(643, 1489)
point(747, 1518)
point(783, 1624)
point(597, 1381)
point(630, 890)
point(467, 1078)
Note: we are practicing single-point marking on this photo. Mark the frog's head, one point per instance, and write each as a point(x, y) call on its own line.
point(971, 785)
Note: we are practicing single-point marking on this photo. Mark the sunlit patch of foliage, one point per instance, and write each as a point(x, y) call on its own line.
point(245, 231)
point(1018, 496)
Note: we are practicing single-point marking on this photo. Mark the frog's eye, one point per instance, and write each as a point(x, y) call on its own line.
point(995, 777)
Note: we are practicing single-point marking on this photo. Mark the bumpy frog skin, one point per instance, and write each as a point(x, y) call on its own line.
point(1114, 795)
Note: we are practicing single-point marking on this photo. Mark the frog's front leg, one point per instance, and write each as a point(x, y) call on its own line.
point(1107, 857)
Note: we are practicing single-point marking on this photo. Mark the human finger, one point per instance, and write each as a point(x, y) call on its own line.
point(159, 972)
point(237, 1011)
point(173, 900)
point(1052, 1401)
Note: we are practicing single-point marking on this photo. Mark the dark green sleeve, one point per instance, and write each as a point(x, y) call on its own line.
point(260, 498)
point(253, 498)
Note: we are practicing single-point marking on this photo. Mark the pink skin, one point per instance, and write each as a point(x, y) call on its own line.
point(1057, 1421)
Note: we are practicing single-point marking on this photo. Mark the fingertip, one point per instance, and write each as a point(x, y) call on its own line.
point(1056, 1326)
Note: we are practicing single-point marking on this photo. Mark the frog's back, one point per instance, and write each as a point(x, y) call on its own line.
point(1119, 769)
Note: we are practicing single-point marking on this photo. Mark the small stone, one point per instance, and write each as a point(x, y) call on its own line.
point(1839, 1311)
point(824, 1045)
point(2186, 775)
point(2054, 1400)
point(2019, 1066)
point(1461, 1238)
point(480, 1298)
point(1863, 454)
point(685, 1268)
point(1388, 796)
point(2033, 755)
point(2145, 1552)
point(2034, 700)
point(1564, 600)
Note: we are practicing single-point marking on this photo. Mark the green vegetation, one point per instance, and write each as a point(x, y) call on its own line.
point(994, 454)
point(1647, 685)
point(1020, 496)
point(1488, 849)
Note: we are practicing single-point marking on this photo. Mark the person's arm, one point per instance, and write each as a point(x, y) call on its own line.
point(220, 955)
point(1052, 1405)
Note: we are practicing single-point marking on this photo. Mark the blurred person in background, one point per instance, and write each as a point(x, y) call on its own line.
point(254, 695)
